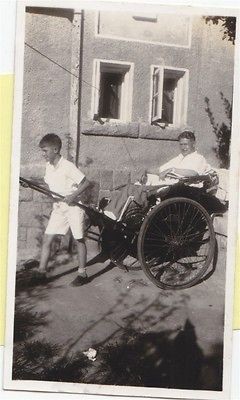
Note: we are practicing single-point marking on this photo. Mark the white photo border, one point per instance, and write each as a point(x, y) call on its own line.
point(15, 169)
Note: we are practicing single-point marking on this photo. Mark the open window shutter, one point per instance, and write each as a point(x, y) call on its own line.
point(185, 105)
point(177, 115)
point(180, 101)
point(157, 94)
point(97, 87)
point(124, 100)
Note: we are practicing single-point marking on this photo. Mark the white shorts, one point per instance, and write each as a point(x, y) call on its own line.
point(64, 217)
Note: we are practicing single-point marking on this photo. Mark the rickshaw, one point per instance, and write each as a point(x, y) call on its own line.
point(167, 231)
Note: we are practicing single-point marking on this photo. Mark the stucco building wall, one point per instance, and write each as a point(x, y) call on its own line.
point(209, 60)
point(47, 86)
point(111, 153)
point(46, 108)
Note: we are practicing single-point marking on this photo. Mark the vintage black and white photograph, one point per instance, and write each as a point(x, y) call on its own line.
point(123, 206)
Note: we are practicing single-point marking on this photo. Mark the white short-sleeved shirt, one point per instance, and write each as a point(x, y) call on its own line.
point(193, 161)
point(64, 177)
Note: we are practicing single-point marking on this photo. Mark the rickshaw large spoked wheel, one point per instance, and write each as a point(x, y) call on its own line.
point(176, 243)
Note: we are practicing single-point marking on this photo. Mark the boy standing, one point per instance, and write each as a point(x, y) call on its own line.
point(64, 178)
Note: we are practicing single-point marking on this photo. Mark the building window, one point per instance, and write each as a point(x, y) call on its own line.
point(112, 90)
point(110, 95)
point(169, 96)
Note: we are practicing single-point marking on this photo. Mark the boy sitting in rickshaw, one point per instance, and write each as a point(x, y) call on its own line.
point(188, 164)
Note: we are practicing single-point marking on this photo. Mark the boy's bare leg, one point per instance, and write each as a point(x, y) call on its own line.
point(45, 253)
point(82, 256)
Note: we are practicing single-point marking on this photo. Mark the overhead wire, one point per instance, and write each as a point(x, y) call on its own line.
point(76, 76)
point(59, 65)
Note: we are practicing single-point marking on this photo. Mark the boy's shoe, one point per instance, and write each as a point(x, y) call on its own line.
point(31, 264)
point(39, 276)
point(80, 280)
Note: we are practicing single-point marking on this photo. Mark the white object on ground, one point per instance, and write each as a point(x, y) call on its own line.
point(91, 354)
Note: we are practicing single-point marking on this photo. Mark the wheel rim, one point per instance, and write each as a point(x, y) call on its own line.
point(176, 243)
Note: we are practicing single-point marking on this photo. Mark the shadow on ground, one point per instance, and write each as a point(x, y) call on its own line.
point(157, 358)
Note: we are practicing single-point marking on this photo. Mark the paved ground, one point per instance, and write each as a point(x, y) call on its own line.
point(116, 301)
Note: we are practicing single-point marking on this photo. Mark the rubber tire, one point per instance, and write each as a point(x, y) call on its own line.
point(144, 227)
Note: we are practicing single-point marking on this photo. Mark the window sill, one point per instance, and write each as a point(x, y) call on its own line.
point(109, 120)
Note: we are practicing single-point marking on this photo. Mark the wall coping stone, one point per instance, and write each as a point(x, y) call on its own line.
point(90, 127)
point(132, 130)
point(147, 131)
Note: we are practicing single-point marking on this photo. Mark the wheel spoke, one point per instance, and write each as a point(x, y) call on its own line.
point(178, 243)
point(162, 262)
point(191, 226)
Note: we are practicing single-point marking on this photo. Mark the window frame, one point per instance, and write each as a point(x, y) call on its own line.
point(126, 68)
point(181, 94)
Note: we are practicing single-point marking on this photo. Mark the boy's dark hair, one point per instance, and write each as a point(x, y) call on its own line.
point(51, 140)
point(187, 135)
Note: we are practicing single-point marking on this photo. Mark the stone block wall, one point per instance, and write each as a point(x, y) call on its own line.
point(130, 130)
point(33, 213)
point(35, 208)
point(117, 151)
